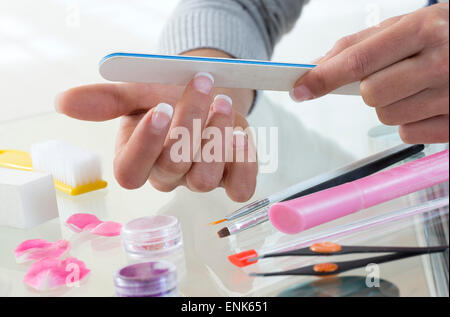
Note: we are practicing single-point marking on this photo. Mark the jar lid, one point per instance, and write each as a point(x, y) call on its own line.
point(153, 234)
point(146, 279)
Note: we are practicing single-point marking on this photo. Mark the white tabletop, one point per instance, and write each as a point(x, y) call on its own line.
point(208, 273)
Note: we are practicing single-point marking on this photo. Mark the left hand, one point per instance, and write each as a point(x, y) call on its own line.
point(145, 141)
point(403, 67)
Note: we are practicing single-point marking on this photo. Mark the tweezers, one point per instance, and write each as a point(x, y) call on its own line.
point(333, 268)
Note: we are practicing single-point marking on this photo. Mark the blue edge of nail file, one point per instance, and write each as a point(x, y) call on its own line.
point(227, 73)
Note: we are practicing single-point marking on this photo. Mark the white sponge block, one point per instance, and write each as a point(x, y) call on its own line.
point(26, 198)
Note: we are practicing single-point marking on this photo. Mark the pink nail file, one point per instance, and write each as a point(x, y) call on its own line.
point(309, 211)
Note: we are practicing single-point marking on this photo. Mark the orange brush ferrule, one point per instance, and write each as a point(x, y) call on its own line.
point(241, 259)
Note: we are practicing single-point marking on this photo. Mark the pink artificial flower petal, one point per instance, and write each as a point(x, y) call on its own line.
point(51, 273)
point(87, 222)
point(81, 221)
point(107, 229)
point(31, 244)
point(91, 226)
point(36, 249)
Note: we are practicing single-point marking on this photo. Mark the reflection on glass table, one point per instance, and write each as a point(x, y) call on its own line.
point(204, 265)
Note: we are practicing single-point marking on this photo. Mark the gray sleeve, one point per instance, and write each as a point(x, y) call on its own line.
point(247, 29)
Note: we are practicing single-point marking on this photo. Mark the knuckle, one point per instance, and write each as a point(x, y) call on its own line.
point(440, 65)
point(358, 64)
point(391, 21)
point(385, 117)
point(344, 42)
point(434, 27)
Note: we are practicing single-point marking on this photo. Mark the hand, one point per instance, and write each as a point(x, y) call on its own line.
point(145, 142)
point(403, 68)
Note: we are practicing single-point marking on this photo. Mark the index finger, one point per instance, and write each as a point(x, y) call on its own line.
point(101, 102)
point(355, 38)
point(358, 61)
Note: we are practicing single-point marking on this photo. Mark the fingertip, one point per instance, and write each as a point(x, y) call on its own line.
point(240, 140)
point(301, 93)
point(222, 104)
point(165, 108)
point(203, 83)
point(225, 98)
point(57, 103)
point(240, 195)
point(69, 102)
point(240, 181)
point(205, 74)
point(63, 102)
point(97, 102)
point(161, 116)
point(124, 177)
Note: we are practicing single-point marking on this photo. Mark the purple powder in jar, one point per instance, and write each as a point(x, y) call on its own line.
point(148, 279)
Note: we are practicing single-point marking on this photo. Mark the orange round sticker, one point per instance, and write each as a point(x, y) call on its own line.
point(325, 247)
point(325, 267)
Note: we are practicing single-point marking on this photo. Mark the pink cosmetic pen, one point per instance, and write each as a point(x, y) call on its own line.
point(299, 214)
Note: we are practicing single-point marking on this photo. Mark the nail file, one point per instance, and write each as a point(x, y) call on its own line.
point(228, 73)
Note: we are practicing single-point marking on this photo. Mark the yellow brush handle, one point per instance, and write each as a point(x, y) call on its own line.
point(22, 161)
point(16, 159)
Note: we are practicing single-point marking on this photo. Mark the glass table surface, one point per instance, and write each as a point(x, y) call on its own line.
point(203, 266)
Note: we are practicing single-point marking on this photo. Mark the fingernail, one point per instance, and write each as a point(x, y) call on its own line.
point(203, 82)
point(239, 140)
point(162, 115)
point(222, 104)
point(56, 103)
point(301, 93)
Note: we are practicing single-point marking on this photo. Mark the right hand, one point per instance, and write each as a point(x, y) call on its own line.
point(143, 150)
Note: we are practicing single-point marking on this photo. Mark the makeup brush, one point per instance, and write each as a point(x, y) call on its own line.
point(345, 174)
point(245, 223)
point(252, 256)
point(353, 171)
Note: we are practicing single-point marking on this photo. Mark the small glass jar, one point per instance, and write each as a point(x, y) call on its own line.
point(152, 237)
point(147, 279)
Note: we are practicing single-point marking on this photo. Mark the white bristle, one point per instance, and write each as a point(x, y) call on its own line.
point(68, 164)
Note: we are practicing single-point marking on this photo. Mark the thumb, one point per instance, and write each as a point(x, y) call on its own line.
point(324, 78)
